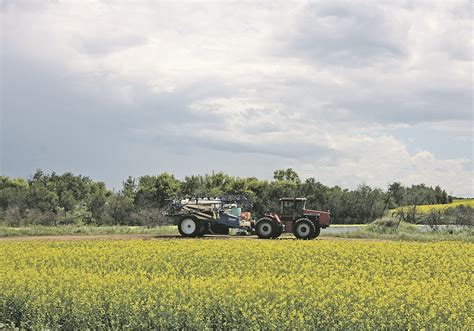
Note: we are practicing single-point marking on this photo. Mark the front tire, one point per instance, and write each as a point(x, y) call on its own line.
point(278, 231)
point(265, 228)
point(304, 229)
point(318, 231)
point(189, 227)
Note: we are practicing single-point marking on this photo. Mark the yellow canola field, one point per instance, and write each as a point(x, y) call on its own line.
point(256, 284)
point(425, 209)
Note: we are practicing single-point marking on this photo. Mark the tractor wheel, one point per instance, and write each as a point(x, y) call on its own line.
point(218, 229)
point(189, 227)
point(318, 230)
point(266, 228)
point(304, 229)
point(203, 228)
point(278, 231)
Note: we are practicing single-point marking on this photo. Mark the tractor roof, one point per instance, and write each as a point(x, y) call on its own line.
point(292, 199)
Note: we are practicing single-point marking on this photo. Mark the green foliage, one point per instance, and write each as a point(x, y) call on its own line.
point(119, 209)
point(74, 199)
point(286, 175)
point(13, 192)
point(77, 217)
point(155, 191)
point(41, 196)
point(130, 188)
point(388, 228)
point(96, 202)
point(416, 195)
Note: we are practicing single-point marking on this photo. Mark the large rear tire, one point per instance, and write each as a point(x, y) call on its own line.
point(266, 228)
point(304, 229)
point(189, 227)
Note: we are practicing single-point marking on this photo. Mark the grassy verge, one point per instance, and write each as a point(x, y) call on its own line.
point(84, 230)
point(407, 232)
point(348, 225)
point(67, 230)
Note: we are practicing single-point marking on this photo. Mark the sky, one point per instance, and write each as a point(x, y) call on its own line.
point(346, 92)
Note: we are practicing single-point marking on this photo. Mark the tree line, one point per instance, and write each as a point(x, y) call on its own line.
point(52, 199)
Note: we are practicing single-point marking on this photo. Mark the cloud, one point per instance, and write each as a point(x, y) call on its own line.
point(345, 34)
point(338, 91)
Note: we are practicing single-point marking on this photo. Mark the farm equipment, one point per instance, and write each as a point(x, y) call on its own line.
point(196, 217)
point(293, 217)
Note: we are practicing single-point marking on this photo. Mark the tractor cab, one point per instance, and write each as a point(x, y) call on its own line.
point(291, 208)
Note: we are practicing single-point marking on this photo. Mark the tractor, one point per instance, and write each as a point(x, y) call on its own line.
point(293, 217)
point(196, 217)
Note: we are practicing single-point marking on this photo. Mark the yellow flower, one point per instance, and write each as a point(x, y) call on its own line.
point(206, 284)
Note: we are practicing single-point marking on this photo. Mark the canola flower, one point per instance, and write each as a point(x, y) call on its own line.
point(425, 209)
point(238, 284)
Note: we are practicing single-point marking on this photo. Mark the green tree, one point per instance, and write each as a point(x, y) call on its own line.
point(155, 191)
point(286, 174)
point(120, 209)
point(130, 188)
point(13, 192)
point(193, 185)
point(40, 197)
point(397, 192)
point(96, 202)
point(67, 201)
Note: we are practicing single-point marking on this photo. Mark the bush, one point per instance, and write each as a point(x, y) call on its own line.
point(79, 216)
point(390, 225)
point(387, 222)
point(434, 219)
point(38, 217)
point(11, 216)
point(461, 215)
point(150, 217)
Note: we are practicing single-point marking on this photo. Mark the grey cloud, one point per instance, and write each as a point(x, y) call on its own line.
point(6, 5)
point(78, 120)
point(414, 107)
point(344, 34)
point(284, 149)
point(46, 124)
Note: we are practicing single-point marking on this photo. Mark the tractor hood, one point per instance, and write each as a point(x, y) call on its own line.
point(323, 216)
point(313, 212)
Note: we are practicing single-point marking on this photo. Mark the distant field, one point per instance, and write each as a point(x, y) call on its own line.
point(423, 209)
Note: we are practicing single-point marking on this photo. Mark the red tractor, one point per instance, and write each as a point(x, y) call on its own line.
point(293, 217)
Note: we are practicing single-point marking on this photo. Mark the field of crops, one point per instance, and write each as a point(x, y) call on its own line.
point(236, 284)
point(423, 209)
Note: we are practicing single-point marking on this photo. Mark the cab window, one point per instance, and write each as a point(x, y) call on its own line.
point(299, 206)
point(287, 207)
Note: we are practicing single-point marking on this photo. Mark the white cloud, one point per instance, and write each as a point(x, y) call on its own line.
point(318, 87)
